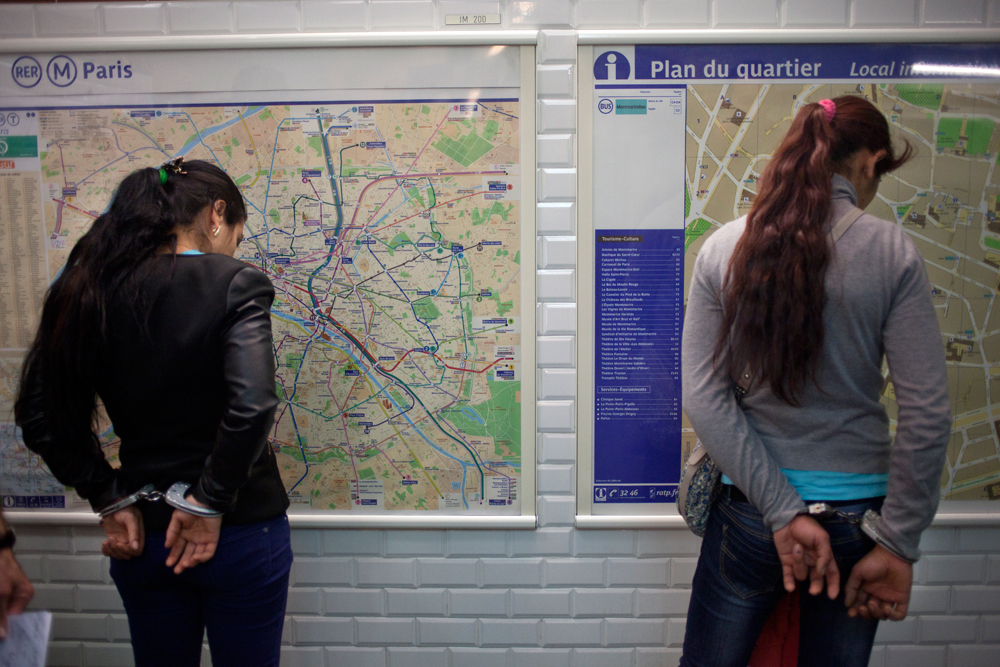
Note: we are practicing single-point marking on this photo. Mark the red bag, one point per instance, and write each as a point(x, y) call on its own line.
point(778, 644)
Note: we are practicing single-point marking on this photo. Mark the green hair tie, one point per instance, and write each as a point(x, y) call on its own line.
point(163, 176)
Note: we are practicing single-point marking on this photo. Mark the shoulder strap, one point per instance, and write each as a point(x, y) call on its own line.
point(842, 224)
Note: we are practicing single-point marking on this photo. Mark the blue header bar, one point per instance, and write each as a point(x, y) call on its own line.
point(763, 62)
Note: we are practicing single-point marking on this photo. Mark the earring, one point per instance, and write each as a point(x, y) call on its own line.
point(217, 230)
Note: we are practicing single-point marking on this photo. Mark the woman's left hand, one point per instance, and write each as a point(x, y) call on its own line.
point(805, 553)
point(126, 535)
point(191, 539)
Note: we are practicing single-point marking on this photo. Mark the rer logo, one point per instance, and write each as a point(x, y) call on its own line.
point(26, 72)
point(61, 71)
point(612, 65)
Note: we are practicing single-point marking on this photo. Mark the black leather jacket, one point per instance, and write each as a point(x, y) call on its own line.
point(190, 391)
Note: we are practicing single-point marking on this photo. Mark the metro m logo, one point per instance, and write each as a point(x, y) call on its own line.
point(61, 71)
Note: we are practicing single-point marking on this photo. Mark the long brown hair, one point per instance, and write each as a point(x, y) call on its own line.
point(774, 289)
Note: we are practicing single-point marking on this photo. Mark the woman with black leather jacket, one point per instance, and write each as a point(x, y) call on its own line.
point(153, 315)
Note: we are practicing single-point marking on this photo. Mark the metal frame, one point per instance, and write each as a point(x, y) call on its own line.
point(950, 513)
point(526, 40)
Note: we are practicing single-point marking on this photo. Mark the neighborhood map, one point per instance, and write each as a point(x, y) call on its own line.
point(391, 232)
point(946, 199)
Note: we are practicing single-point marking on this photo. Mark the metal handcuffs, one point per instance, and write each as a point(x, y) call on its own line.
point(174, 497)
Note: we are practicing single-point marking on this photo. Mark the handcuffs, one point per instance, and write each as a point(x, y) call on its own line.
point(868, 523)
point(175, 497)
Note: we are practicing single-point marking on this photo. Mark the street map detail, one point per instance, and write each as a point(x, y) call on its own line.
point(946, 199)
point(391, 232)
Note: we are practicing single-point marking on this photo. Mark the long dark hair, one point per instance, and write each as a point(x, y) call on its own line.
point(106, 266)
point(774, 290)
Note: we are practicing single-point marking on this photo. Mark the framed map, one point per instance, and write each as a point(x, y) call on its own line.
point(387, 206)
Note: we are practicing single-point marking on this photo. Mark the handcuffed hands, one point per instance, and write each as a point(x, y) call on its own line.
point(879, 586)
point(126, 534)
point(805, 553)
point(191, 539)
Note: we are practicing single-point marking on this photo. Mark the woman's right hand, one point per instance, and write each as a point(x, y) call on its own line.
point(126, 534)
point(191, 539)
point(805, 553)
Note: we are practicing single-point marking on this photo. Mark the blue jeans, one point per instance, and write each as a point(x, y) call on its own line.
point(738, 583)
point(238, 596)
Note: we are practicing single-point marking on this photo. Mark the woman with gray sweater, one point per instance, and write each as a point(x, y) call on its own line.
point(816, 489)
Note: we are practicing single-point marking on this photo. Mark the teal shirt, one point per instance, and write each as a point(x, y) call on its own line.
point(828, 485)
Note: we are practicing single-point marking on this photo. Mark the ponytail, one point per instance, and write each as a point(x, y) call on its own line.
point(105, 267)
point(774, 290)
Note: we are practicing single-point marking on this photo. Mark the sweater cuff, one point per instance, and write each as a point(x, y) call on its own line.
point(899, 544)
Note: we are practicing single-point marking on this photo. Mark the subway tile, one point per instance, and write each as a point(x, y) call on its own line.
point(897, 632)
point(915, 656)
point(937, 540)
point(573, 572)
point(929, 599)
point(635, 632)
point(990, 629)
point(401, 14)
point(556, 383)
point(352, 542)
point(477, 543)
point(53, 597)
point(306, 542)
point(99, 598)
point(555, 184)
point(33, 566)
point(268, 16)
point(477, 602)
point(539, 657)
point(540, 603)
point(675, 13)
point(323, 630)
point(416, 657)
point(973, 656)
point(554, 416)
point(447, 571)
point(304, 601)
point(571, 632)
point(295, 656)
point(658, 602)
point(145, 18)
point(556, 252)
point(975, 599)
point(74, 568)
point(950, 12)
point(953, 569)
point(353, 601)
point(556, 46)
point(604, 543)
point(67, 20)
point(80, 626)
point(632, 572)
point(414, 543)
point(85, 539)
point(884, 12)
point(520, 572)
point(190, 17)
point(668, 543)
point(386, 631)
point(556, 447)
point(657, 657)
point(993, 569)
point(65, 653)
point(810, 13)
point(555, 80)
point(555, 219)
point(745, 13)
point(540, 542)
point(547, 13)
point(877, 657)
point(322, 571)
point(107, 655)
point(556, 285)
point(676, 629)
point(509, 632)
point(556, 116)
point(602, 602)
point(556, 351)
point(119, 628)
point(603, 657)
point(682, 571)
point(556, 511)
point(387, 572)
point(969, 539)
point(17, 21)
point(421, 602)
point(550, 478)
point(334, 15)
point(608, 13)
point(43, 539)
point(447, 631)
point(555, 150)
point(349, 656)
point(947, 629)
point(478, 657)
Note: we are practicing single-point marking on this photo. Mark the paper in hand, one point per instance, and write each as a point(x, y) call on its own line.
point(27, 640)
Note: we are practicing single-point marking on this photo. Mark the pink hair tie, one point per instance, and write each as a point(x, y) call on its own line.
point(830, 108)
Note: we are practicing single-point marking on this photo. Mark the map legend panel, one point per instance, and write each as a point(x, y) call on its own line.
point(639, 276)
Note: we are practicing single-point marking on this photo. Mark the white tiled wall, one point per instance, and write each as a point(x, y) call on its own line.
point(555, 596)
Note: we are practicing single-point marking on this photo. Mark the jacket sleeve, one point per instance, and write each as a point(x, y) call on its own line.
point(711, 406)
point(248, 367)
point(912, 339)
point(79, 464)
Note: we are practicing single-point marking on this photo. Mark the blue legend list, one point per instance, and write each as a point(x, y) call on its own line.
point(639, 304)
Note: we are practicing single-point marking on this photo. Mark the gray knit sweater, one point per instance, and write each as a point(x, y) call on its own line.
point(878, 302)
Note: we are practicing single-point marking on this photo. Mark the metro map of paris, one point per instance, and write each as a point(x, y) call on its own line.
point(391, 232)
point(946, 199)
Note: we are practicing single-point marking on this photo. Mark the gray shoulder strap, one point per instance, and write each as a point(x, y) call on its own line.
point(842, 224)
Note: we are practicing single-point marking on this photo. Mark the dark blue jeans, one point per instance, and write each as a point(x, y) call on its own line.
point(738, 583)
point(238, 596)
